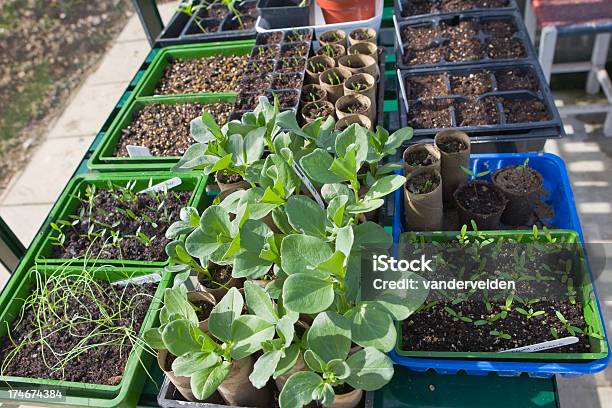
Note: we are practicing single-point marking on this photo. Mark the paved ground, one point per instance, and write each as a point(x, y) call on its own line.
point(31, 194)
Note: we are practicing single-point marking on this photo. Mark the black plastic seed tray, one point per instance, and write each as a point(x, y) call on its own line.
point(462, 39)
point(490, 102)
point(411, 9)
point(278, 62)
point(215, 23)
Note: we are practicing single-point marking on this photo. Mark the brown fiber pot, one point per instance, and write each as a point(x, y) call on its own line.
point(370, 90)
point(334, 92)
point(423, 212)
point(520, 204)
point(350, 119)
point(451, 163)
point(220, 291)
point(483, 221)
point(338, 51)
point(370, 31)
point(326, 61)
point(364, 48)
point(237, 389)
point(329, 106)
point(342, 11)
point(181, 383)
point(348, 400)
point(359, 64)
point(306, 89)
point(238, 185)
point(344, 102)
point(431, 149)
point(333, 37)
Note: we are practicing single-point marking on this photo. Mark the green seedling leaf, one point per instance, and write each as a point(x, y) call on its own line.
point(224, 314)
point(330, 336)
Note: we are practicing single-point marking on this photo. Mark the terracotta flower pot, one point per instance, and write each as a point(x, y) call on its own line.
point(324, 61)
point(348, 400)
point(345, 103)
point(364, 48)
point(362, 34)
point(350, 119)
point(366, 80)
point(429, 151)
point(423, 211)
point(237, 389)
point(233, 186)
point(332, 81)
point(358, 64)
point(454, 147)
point(333, 37)
point(342, 11)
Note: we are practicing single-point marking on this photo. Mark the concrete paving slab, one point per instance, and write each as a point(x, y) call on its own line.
point(25, 219)
point(121, 63)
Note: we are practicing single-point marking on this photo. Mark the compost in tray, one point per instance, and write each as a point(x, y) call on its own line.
point(418, 7)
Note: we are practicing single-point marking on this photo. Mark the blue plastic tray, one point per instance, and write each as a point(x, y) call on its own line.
point(556, 182)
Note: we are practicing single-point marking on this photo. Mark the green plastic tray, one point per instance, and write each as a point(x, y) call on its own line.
point(590, 307)
point(68, 202)
point(151, 77)
point(128, 391)
point(103, 159)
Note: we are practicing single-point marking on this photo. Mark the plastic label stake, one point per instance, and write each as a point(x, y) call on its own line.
point(163, 186)
point(565, 341)
point(138, 151)
point(139, 280)
point(315, 193)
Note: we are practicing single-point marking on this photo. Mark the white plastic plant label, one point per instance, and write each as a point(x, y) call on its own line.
point(138, 151)
point(163, 186)
point(139, 280)
point(534, 348)
point(315, 193)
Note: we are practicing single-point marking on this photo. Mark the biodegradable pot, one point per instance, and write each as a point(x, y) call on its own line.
point(182, 384)
point(364, 48)
point(321, 105)
point(423, 211)
point(426, 150)
point(237, 389)
point(314, 88)
point(333, 37)
point(345, 102)
point(336, 52)
point(342, 11)
point(220, 291)
point(358, 64)
point(365, 31)
point(335, 91)
point(451, 162)
point(238, 185)
point(348, 400)
point(369, 90)
point(522, 186)
point(488, 220)
point(327, 62)
point(350, 119)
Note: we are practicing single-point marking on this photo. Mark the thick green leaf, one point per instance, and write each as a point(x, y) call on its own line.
point(334, 265)
point(308, 292)
point(330, 336)
point(345, 239)
point(224, 314)
point(175, 302)
point(385, 185)
point(189, 363)
point(316, 165)
point(331, 191)
point(264, 368)
point(285, 327)
point(298, 389)
point(324, 393)
point(182, 336)
point(200, 132)
point(314, 362)
point(397, 138)
point(306, 216)
point(205, 382)
point(288, 361)
point(372, 326)
point(365, 206)
point(254, 145)
point(248, 332)
point(259, 302)
point(352, 137)
point(154, 339)
point(303, 253)
point(371, 234)
point(370, 369)
point(335, 210)
point(209, 121)
point(339, 368)
point(222, 164)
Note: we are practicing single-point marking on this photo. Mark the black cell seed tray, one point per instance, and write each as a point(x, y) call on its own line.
point(185, 29)
point(440, 50)
point(500, 95)
point(269, 56)
point(411, 9)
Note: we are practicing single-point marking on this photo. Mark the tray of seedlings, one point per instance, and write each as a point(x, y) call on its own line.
point(496, 103)
point(410, 9)
point(276, 68)
point(119, 219)
point(203, 21)
point(460, 39)
point(76, 333)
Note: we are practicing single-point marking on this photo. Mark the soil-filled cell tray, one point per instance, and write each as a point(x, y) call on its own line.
point(552, 297)
point(492, 98)
point(117, 220)
point(408, 9)
point(196, 69)
point(459, 39)
point(159, 124)
point(214, 22)
point(90, 292)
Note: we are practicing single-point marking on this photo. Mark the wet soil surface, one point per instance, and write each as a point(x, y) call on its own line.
point(259, 67)
point(477, 112)
point(430, 115)
point(355, 107)
point(291, 65)
point(221, 274)
point(286, 99)
point(420, 158)
point(516, 79)
point(164, 128)
point(479, 198)
point(295, 50)
point(256, 83)
point(473, 84)
point(519, 179)
point(319, 110)
point(226, 177)
point(64, 330)
point(139, 222)
point(423, 183)
point(311, 94)
point(502, 48)
point(270, 38)
point(426, 86)
point(212, 74)
point(286, 81)
point(451, 145)
point(416, 7)
point(265, 52)
point(525, 110)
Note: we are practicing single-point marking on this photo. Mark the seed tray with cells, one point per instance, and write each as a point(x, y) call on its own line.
point(490, 99)
point(276, 68)
point(460, 39)
point(211, 22)
point(408, 9)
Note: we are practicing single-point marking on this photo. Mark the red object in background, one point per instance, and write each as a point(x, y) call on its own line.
point(342, 11)
point(562, 13)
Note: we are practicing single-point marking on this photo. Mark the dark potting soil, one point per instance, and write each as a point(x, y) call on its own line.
point(423, 183)
point(256, 83)
point(480, 199)
point(455, 29)
point(287, 81)
point(226, 177)
point(475, 113)
point(243, 22)
point(360, 35)
point(274, 37)
point(503, 48)
point(265, 52)
point(446, 323)
point(311, 95)
point(360, 84)
point(463, 49)
point(525, 110)
point(419, 37)
point(428, 55)
point(164, 128)
point(203, 310)
point(286, 99)
point(355, 107)
point(63, 331)
point(127, 214)
point(295, 50)
point(249, 9)
point(219, 73)
point(331, 50)
point(452, 145)
point(259, 67)
point(416, 7)
point(248, 101)
point(204, 26)
point(430, 115)
point(298, 36)
point(516, 79)
point(473, 84)
point(317, 110)
point(499, 28)
point(426, 86)
point(420, 158)
point(519, 179)
point(291, 65)
point(221, 274)
point(218, 11)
